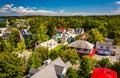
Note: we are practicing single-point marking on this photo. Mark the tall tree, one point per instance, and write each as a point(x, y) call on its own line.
point(86, 66)
point(11, 66)
point(95, 35)
point(71, 73)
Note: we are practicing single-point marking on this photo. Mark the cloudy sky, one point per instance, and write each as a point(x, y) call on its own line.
point(59, 7)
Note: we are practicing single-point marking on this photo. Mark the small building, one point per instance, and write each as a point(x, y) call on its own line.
point(82, 47)
point(56, 36)
point(7, 32)
point(50, 44)
point(61, 30)
point(79, 31)
point(104, 48)
point(2, 30)
point(71, 30)
point(54, 69)
point(103, 73)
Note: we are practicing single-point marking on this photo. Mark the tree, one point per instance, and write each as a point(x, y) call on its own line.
point(14, 38)
point(11, 66)
point(54, 54)
point(71, 73)
point(104, 62)
point(21, 46)
point(95, 35)
point(70, 55)
point(39, 30)
point(116, 67)
point(5, 46)
point(35, 60)
point(86, 66)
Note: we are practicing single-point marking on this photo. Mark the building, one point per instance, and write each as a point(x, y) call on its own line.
point(7, 32)
point(104, 48)
point(79, 31)
point(103, 73)
point(82, 47)
point(50, 44)
point(61, 30)
point(55, 69)
point(2, 30)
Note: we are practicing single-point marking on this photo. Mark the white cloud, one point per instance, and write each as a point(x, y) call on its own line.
point(9, 9)
point(118, 2)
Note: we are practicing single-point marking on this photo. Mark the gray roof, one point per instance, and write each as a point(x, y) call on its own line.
point(81, 44)
point(107, 44)
point(51, 70)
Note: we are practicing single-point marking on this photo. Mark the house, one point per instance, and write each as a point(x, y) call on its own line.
point(82, 47)
point(103, 73)
point(71, 30)
point(79, 31)
point(104, 48)
point(7, 32)
point(50, 44)
point(56, 36)
point(54, 69)
point(61, 30)
point(2, 30)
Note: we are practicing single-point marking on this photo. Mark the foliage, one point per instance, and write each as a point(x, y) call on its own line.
point(14, 37)
point(86, 66)
point(104, 62)
point(5, 46)
point(21, 46)
point(70, 55)
point(95, 35)
point(35, 60)
point(71, 73)
point(116, 67)
point(54, 54)
point(11, 66)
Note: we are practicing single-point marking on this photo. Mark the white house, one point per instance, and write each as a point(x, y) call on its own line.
point(2, 30)
point(50, 44)
point(82, 47)
point(104, 48)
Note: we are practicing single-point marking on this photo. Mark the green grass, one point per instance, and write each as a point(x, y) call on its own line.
point(58, 47)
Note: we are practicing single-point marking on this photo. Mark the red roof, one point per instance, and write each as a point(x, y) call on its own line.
point(93, 52)
point(62, 29)
point(103, 73)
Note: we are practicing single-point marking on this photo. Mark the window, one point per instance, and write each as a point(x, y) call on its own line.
point(101, 46)
point(107, 47)
point(78, 48)
point(85, 49)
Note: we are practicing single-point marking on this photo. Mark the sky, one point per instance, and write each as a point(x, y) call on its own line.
point(59, 7)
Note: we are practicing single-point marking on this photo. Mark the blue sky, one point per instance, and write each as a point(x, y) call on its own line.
point(59, 7)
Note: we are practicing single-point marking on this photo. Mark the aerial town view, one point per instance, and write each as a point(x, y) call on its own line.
point(59, 38)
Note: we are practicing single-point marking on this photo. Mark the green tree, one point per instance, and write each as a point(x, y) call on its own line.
point(54, 54)
point(21, 46)
point(71, 73)
point(11, 66)
point(104, 62)
point(86, 66)
point(116, 67)
point(35, 60)
point(70, 55)
point(95, 35)
point(14, 38)
point(5, 46)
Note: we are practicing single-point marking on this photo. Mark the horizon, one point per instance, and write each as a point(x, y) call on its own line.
point(59, 8)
